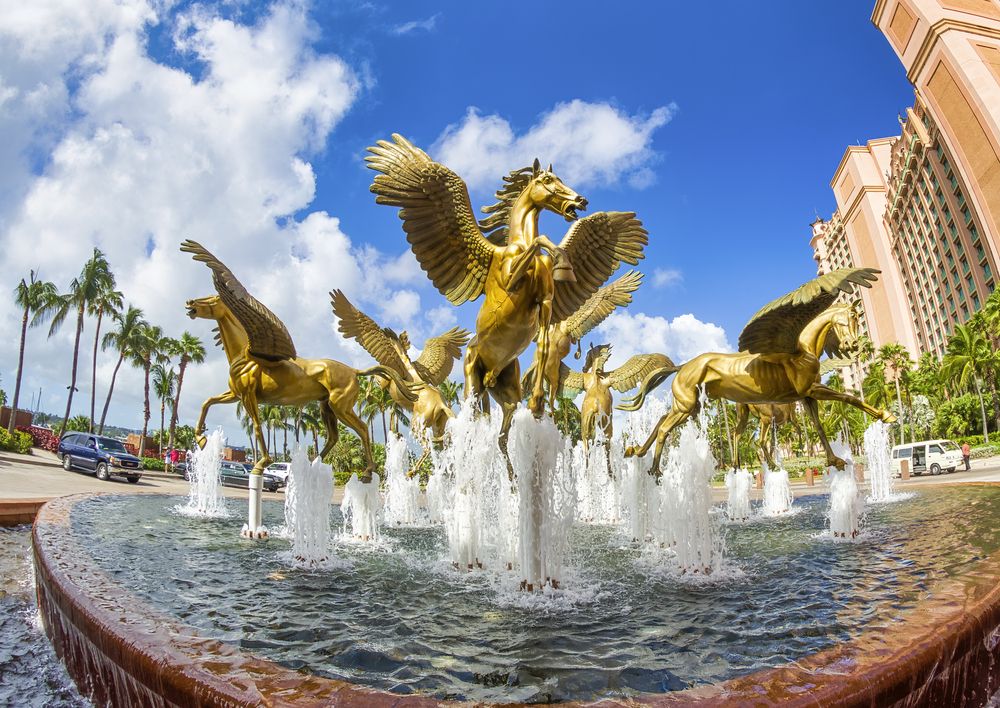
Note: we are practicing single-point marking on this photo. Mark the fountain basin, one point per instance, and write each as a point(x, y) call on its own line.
point(931, 637)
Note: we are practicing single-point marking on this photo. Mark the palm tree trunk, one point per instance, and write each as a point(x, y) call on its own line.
point(20, 370)
point(992, 380)
point(145, 408)
point(93, 371)
point(76, 356)
point(899, 404)
point(385, 433)
point(284, 442)
point(725, 419)
point(163, 405)
point(982, 409)
point(177, 399)
point(111, 388)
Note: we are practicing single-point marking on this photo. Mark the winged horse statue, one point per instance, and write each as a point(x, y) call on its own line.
point(778, 361)
point(527, 280)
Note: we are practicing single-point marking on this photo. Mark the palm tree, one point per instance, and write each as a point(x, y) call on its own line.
point(897, 359)
point(126, 339)
point(95, 278)
point(968, 352)
point(31, 295)
point(450, 391)
point(373, 399)
point(190, 350)
point(163, 385)
point(568, 418)
point(151, 349)
point(108, 301)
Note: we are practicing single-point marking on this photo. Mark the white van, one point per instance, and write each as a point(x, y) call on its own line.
point(932, 456)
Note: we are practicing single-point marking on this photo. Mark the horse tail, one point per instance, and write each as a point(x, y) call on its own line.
point(653, 379)
point(407, 389)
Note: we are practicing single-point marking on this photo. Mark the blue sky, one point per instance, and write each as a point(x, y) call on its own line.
point(130, 125)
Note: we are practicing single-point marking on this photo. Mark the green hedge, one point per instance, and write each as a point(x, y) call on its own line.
point(152, 463)
point(19, 442)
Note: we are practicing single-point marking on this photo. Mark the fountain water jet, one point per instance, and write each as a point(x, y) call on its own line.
point(362, 509)
point(846, 503)
point(205, 496)
point(738, 505)
point(402, 493)
point(877, 451)
point(307, 508)
point(777, 492)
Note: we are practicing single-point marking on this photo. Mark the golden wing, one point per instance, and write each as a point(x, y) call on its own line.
point(776, 327)
point(570, 382)
point(267, 334)
point(355, 324)
point(601, 304)
point(596, 245)
point(438, 357)
point(636, 369)
point(437, 217)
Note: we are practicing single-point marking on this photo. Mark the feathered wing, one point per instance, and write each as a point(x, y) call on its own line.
point(636, 369)
point(437, 217)
point(601, 304)
point(777, 326)
point(570, 382)
point(355, 324)
point(266, 333)
point(596, 245)
point(438, 357)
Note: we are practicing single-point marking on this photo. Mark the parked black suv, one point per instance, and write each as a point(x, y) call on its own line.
point(100, 455)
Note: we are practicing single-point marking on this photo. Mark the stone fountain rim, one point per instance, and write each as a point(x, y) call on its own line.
point(162, 657)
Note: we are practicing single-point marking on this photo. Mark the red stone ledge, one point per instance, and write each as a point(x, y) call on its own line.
point(14, 512)
point(122, 652)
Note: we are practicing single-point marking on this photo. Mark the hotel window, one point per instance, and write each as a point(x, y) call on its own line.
point(986, 271)
point(966, 215)
point(975, 301)
point(965, 266)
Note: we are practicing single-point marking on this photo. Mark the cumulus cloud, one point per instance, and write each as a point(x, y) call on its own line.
point(588, 143)
point(426, 25)
point(114, 149)
point(681, 338)
point(664, 277)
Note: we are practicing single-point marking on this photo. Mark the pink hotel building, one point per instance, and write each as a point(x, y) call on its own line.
point(924, 206)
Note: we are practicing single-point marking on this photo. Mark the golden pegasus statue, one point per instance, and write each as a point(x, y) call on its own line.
point(430, 413)
point(778, 361)
point(566, 332)
point(264, 367)
point(596, 384)
point(527, 280)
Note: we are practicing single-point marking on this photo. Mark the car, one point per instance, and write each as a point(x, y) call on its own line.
point(279, 470)
point(234, 474)
point(181, 468)
point(100, 455)
point(932, 456)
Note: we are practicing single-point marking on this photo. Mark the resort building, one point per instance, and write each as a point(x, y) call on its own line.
point(924, 206)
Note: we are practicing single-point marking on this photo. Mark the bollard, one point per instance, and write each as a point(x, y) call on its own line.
point(810, 481)
point(859, 472)
point(904, 469)
point(760, 480)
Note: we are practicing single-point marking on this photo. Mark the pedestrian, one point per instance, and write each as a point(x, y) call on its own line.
point(965, 455)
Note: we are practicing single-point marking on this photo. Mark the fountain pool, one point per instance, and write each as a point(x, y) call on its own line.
point(398, 618)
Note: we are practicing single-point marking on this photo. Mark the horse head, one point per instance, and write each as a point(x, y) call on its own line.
point(843, 336)
point(546, 191)
point(206, 308)
point(597, 357)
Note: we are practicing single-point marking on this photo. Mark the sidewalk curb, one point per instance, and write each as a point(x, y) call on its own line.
point(13, 457)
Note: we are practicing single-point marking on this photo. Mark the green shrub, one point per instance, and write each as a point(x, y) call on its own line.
point(979, 453)
point(19, 442)
point(152, 463)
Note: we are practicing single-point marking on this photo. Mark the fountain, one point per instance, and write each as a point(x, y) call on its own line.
point(846, 504)
point(777, 492)
point(362, 509)
point(205, 496)
point(877, 453)
point(307, 509)
point(402, 492)
point(738, 483)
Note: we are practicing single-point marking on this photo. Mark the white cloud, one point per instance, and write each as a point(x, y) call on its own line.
point(588, 144)
point(664, 277)
point(682, 338)
point(151, 154)
point(426, 25)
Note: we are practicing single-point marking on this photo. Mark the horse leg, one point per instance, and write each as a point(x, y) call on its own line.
point(820, 392)
point(227, 397)
point(507, 393)
point(250, 405)
point(812, 406)
point(352, 421)
point(685, 405)
point(536, 402)
point(474, 387)
point(742, 418)
point(330, 423)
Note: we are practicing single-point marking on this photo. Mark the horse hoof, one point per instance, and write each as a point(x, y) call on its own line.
point(202, 441)
point(630, 451)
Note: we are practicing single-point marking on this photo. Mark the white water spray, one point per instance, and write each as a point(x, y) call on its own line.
point(738, 505)
point(877, 450)
point(362, 509)
point(205, 487)
point(402, 493)
point(777, 492)
point(846, 504)
point(307, 508)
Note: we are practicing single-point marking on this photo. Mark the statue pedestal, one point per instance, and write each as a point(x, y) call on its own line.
point(254, 528)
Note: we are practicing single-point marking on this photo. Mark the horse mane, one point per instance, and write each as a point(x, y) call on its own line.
point(495, 226)
point(217, 336)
